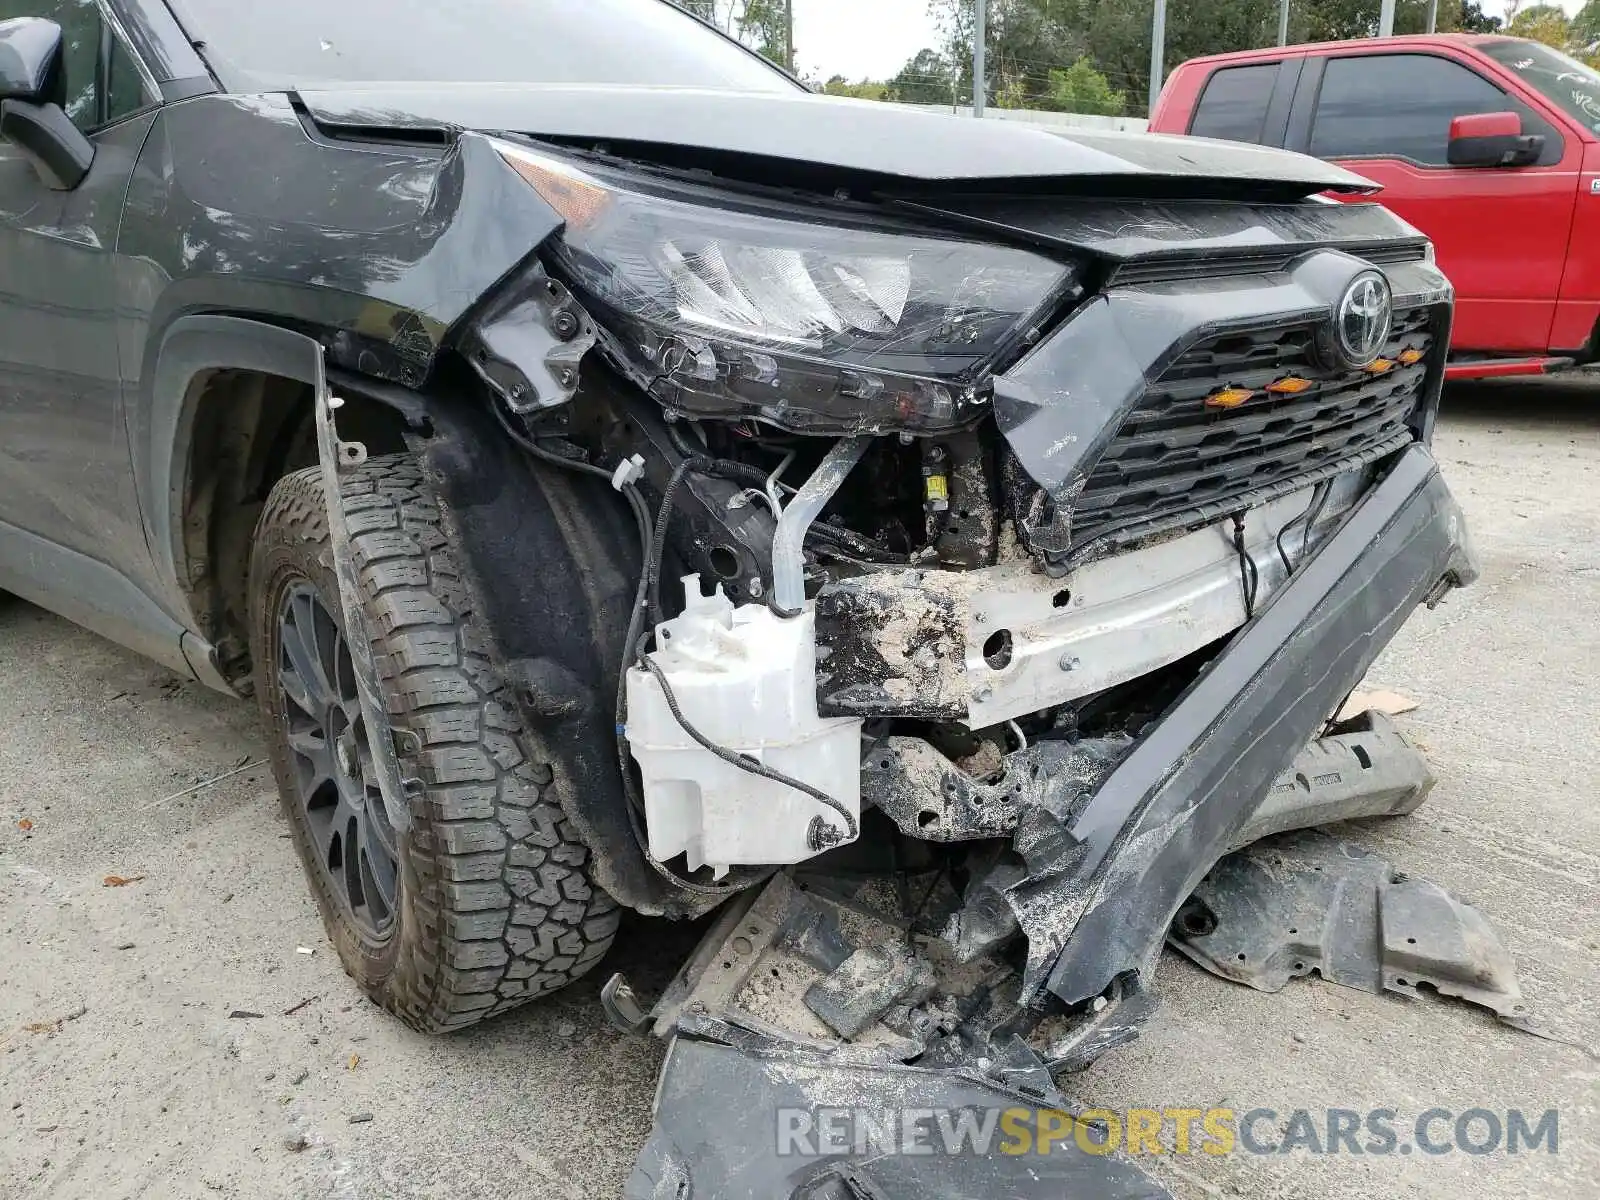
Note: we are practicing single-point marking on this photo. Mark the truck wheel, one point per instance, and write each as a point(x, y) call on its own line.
point(485, 902)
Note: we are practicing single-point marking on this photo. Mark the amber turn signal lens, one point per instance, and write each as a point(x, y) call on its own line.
point(1228, 398)
point(1410, 357)
point(1289, 385)
point(1379, 365)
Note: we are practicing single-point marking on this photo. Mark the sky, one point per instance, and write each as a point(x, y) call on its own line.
point(860, 38)
point(872, 39)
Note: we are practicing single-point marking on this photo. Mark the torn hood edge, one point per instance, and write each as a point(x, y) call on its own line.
point(869, 137)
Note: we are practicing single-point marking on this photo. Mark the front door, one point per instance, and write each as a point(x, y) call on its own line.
point(1501, 234)
point(65, 477)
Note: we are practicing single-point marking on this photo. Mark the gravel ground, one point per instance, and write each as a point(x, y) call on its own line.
point(125, 1069)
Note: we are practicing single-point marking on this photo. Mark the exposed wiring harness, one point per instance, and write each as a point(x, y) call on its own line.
point(1249, 574)
point(1311, 515)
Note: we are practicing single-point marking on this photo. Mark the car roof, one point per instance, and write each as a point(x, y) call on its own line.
point(1416, 41)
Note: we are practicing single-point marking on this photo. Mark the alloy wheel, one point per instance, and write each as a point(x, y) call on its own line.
point(335, 780)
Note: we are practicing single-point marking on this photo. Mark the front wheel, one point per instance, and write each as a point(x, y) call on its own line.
point(485, 902)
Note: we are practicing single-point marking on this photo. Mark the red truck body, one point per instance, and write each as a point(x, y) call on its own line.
point(1517, 231)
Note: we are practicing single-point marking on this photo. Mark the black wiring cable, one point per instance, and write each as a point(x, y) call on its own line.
point(529, 446)
point(1316, 515)
point(1317, 494)
point(681, 440)
point(852, 547)
point(1249, 575)
point(657, 548)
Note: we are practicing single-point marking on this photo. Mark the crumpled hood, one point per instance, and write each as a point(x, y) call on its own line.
point(851, 135)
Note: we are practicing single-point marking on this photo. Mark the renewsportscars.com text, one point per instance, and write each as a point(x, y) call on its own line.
point(1178, 1131)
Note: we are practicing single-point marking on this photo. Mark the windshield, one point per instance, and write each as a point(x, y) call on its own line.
point(283, 44)
point(1565, 81)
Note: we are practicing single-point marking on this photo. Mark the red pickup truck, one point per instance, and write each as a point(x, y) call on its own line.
point(1489, 145)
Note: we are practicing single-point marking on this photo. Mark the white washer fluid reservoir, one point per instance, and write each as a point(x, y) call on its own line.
point(746, 679)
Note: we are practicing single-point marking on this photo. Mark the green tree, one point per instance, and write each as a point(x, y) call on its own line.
point(1542, 23)
point(1082, 89)
point(760, 24)
point(867, 89)
point(1586, 25)
point(926, 79)
point(1471, 19)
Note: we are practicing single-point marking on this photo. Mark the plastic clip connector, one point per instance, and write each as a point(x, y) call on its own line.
point(627, 471)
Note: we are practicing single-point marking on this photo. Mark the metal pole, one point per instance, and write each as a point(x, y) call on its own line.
point(1386, 19)
point(977, 61)
point(1283, 23)
point(1433, 16)
point(788, 34)
point(1158, 49)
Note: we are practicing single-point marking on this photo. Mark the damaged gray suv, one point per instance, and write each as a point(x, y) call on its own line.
point(625, 480)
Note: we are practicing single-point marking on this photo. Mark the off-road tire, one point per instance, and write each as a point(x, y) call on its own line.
point(495, 903)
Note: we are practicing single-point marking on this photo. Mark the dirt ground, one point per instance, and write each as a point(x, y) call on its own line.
point(127, 1070)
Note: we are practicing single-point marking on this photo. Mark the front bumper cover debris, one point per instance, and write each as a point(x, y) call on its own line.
point(1183, 795)
point(720, 1132)
point(761, 1096)
point(1308, 902)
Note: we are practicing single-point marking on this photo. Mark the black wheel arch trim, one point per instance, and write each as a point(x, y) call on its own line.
point(192, 347)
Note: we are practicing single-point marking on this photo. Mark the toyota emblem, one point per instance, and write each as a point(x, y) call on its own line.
point(1363, 320)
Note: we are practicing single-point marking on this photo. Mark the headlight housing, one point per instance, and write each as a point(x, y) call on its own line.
point(731, 306)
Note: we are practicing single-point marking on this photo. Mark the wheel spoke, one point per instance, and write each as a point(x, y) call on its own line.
point(382, 832)
point(344, 680)
point(295, 689)
point(300, 647)
point(315, 756)
point(379, 884)
point(328, 644)
point(327, 814)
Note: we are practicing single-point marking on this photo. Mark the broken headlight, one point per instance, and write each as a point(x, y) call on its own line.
point(728, 305)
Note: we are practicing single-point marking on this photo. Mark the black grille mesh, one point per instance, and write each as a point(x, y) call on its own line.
point(1173, 453)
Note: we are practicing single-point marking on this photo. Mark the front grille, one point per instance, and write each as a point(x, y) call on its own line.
point(1174, 455)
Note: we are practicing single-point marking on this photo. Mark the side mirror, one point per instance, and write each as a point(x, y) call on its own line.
point(32, 90)
point(31, 54)
point(1492, 140)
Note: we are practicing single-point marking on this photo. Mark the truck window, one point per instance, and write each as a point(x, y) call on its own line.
point(1234, 104)
point(1573, 86)
point(1397, 106)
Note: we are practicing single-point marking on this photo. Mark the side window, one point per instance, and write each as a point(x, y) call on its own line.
point(1234, 103)
point(1397, 106)
point(126, 93)
point(83, 30)
point(80, 30)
